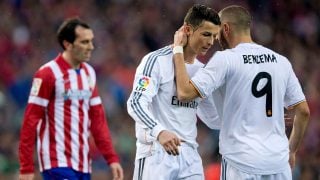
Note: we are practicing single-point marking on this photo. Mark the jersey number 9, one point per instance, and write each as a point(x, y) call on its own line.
point(266, 90)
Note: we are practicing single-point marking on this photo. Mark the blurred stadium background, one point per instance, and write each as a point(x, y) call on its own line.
point(125, 30)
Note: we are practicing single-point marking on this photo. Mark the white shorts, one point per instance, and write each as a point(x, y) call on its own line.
point(228, 172)
point(162, 166)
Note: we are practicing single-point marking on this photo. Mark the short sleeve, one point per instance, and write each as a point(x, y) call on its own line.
point(212, 76)
point(294, 94)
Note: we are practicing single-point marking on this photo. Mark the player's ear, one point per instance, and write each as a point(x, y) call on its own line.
point(226, 29)
point(66, 44)
point(187, 29)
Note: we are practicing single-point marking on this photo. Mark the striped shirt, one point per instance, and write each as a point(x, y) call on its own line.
point(63, 109)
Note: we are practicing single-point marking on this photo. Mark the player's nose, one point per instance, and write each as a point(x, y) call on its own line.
point(210, 41)
point(91, 46)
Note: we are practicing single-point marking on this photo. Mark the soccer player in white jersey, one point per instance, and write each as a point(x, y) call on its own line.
point(166, 127)
point(63, 109)
point(251, 85)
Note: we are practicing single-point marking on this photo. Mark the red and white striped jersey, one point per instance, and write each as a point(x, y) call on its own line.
point(63, 109)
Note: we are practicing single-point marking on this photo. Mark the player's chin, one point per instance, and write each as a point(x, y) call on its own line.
point(87, 57)
point(203, 52)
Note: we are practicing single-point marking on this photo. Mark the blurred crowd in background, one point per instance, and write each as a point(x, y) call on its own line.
point(125, 30)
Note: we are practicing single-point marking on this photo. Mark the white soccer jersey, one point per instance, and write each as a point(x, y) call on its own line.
point(154, 105)
point(251, 85)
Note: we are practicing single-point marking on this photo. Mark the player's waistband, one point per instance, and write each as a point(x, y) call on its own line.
point(187, 144)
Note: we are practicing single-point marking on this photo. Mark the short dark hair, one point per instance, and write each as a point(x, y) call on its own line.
point(238, 16)
point(67, 30)
point(199, 13)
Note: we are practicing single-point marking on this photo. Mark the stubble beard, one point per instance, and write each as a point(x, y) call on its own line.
point(223, 42)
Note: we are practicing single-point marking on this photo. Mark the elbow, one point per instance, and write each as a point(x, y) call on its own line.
point(183, 96)
point(303, 111)
point(186, 91)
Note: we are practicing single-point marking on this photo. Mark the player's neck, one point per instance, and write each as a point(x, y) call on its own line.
point(189, 55)
point(239, 40)
point(68, 58)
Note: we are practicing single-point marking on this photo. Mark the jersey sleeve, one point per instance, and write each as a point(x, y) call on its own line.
point(212, 76)
point(208, 114)
point(99, 126)
point(294, 94)
point(40, 94)
point(145, 87)
point(101, 133)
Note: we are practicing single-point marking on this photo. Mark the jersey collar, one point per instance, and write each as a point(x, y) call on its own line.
point(63, 63)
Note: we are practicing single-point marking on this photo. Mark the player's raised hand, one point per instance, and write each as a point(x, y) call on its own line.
point(117, 171)
point(180, 37)
point(170, 142)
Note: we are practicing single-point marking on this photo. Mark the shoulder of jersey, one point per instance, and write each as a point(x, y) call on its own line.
point(160, 53)
point(89, 67)
point(46, 68)
point(165, 48)
point(198, 62)
point(281, 57)
point(45, 71)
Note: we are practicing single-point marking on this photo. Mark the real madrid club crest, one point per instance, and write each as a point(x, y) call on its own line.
point(143, 83)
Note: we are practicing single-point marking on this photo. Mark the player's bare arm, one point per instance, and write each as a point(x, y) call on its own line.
point(300, 123)
point(185, 89)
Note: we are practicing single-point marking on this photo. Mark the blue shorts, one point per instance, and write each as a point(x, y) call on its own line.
point(64, 173)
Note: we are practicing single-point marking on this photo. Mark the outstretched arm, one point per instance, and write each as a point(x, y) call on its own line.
point(185, 88)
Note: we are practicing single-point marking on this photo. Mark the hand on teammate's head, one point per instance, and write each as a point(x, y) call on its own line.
point(180, 37)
